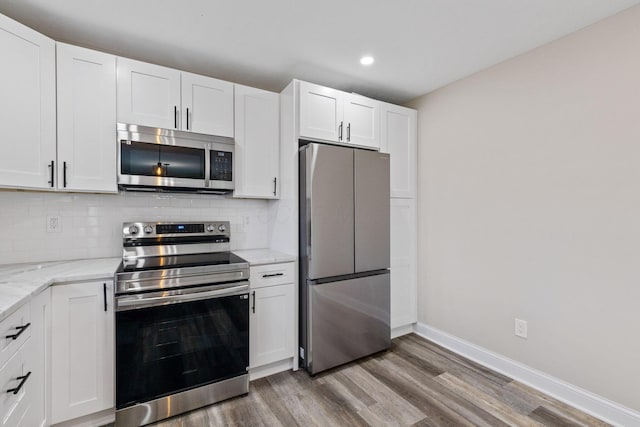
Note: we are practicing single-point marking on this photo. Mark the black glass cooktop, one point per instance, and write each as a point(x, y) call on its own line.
point(178, 261)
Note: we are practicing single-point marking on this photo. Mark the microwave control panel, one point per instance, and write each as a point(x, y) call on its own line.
point(221, 165)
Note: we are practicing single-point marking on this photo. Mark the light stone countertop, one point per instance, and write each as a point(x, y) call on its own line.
point(19, 282)
point(264, 256)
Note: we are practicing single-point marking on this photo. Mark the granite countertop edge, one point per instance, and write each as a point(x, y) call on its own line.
point(20, 282)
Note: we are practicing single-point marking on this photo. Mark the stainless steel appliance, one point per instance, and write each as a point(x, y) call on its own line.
point(344, 255)
point(151, 159)
point(182, 320)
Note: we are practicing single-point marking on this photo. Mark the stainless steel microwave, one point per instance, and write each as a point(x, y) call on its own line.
point(153, 159)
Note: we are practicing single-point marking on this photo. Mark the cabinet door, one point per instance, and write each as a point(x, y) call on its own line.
point(207, 105)
point(82, 349)
point(362, 121)
point(27, 107)
point(148, 94)
point(271, 325)
point(257, 150)
point(38, 358)
point(399, 139)
point(321, 112)
point(404, 289)
point(86, 119)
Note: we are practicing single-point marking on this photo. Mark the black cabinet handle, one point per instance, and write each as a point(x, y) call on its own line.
point(51, 181)
point(253, 304)
point(340, 132)
point(23, 379)
point(349, 132)
point(275, 183)
point(20, 329)
point(273, 275)
point(175, 116)
point(104, 290)
point(64, 174)
point(187, 119)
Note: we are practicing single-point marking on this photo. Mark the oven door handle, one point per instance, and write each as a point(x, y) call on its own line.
point(135, 302)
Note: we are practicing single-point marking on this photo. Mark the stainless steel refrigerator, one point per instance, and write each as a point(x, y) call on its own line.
point(344, 255)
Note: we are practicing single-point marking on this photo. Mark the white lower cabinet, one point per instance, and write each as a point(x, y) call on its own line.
point(82, 353)
point(272, 316)
point(23, 366)
point(404, 283)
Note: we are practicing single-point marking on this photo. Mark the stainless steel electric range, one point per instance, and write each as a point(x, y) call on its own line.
point(182, 320)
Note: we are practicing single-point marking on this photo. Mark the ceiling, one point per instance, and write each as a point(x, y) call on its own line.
point(418, 45)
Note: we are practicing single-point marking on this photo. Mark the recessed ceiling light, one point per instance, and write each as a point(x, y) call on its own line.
point(366, 60)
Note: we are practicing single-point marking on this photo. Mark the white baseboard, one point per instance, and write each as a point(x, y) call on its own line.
point(575, 396)
point(402, 330)
point(101, 418)
point(270, 369)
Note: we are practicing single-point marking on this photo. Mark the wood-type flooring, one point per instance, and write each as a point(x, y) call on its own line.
point(416, 383)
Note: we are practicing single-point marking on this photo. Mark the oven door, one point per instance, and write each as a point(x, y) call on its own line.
point(165, 345)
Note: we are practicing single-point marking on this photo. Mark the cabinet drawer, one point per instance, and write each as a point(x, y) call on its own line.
point(13, 406)
point(14, 330)
point(272, 274)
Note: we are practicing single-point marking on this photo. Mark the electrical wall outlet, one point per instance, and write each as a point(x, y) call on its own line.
point(54, 224)
point(521, 328)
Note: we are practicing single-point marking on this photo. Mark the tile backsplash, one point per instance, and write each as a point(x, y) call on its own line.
point(91, 224)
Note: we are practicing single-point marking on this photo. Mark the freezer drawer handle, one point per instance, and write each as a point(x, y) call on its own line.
point(273, 275)
point(23, 379)
point(21, 330)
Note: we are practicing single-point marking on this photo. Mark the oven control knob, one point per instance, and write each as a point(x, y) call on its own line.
point(222, 228)
point(148, 229)
point(133, 229)
point(210, 228)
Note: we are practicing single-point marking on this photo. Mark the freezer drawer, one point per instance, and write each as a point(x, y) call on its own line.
point(348, 319)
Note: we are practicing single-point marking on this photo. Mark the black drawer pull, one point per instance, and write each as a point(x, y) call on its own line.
point(273, 275)
point(253, 304)
point(21, 329)
point(23, 379)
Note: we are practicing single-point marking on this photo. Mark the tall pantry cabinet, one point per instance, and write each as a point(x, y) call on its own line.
point(398, 129)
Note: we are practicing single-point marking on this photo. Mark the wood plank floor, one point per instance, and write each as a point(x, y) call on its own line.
point(416, 383)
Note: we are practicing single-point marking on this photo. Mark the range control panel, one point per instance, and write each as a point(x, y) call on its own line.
point(174, 229)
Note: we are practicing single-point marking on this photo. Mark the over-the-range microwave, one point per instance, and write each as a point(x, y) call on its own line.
point(154, 159)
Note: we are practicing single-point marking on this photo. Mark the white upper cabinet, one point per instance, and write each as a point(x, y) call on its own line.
point(399, 139)
point(362, 121)
point(27, 107)
point(86, 119)
point(257, 148)
point(331, 115)
point(148, 94)
point(207, 105)
point(155, 96)
point(321, 112)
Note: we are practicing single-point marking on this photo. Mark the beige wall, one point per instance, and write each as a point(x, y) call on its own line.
point(529, 207)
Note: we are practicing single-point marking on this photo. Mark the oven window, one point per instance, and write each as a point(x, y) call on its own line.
point(168, 349)
point(221, 165)
point(141, 158)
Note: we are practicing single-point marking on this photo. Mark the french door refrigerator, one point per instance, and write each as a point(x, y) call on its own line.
point(344, 255)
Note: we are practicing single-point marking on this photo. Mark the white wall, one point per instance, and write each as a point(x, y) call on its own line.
point(529, 207)
point(92, 224)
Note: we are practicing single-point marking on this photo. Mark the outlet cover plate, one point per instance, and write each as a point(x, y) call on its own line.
point(521, 328)
point(54, 224)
